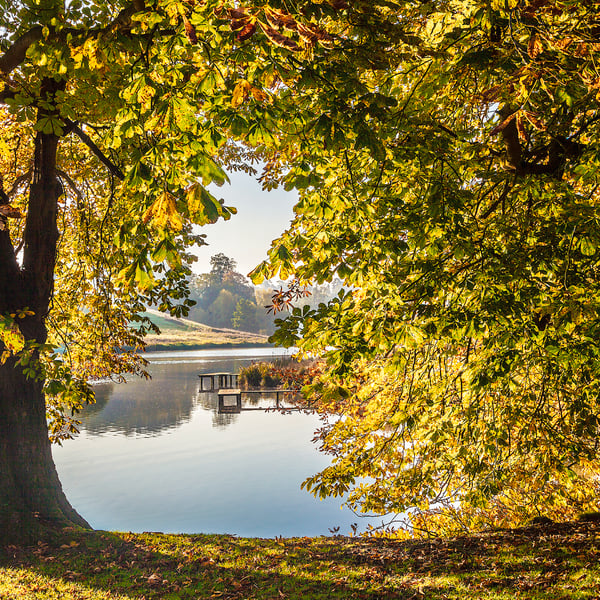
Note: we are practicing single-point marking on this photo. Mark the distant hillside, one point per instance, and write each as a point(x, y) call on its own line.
point(177, 334)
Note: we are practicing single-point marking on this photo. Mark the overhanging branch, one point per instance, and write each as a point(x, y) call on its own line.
point(16, 54)
point(24, 178)
point(555, 153)
point(85, 138)
point(70, 183)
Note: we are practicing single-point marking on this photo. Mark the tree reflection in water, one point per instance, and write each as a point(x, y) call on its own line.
point(150, 407)
point(156, 456)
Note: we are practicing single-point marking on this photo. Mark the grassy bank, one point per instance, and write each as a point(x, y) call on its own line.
point(200, 345)
point(183, 334)
point(540, 562)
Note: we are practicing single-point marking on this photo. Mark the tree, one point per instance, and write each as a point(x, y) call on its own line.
point(244, 317)
point(204, 291)
point(263, 299)
point(217, 293)
point(221, 266)
point(221, 311)
point(103, 145)
point(116, 116)
point(447, 158)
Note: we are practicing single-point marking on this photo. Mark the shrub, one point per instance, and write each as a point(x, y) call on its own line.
point(250, 376)
point(281, 372)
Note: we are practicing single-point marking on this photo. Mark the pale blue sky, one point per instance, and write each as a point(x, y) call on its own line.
point(246, 237)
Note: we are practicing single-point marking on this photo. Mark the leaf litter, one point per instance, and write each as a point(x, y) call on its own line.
point(547, 560)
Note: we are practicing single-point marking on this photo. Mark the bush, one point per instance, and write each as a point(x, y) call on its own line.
point(281, 372)
point(270, 381)
point(250, 376)
point(259, 375)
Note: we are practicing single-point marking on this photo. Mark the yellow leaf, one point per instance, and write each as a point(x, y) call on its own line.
point(537, 123)
point(145, 95)
point(163, 212)
point(12, 338)
point(523, 135)
point(240, 92)
point(258, 95)
point(280, 40)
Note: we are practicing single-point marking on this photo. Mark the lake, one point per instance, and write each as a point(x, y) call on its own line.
point(156, 456)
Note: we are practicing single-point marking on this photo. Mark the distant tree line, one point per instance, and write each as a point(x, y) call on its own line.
point(225, 298)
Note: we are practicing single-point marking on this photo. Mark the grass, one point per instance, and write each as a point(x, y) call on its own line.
point(183, 334)
point(557, 561)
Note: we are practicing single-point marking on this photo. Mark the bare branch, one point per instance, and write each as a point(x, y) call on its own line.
point(556, 152)
point(510, 135)
point(25, 178)
point(71, 184)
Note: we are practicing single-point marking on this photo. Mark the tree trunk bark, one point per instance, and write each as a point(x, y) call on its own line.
point(31, 497)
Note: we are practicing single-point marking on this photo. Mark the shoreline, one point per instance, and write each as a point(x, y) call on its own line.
point(167, 346)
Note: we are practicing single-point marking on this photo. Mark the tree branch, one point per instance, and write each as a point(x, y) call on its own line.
point(510, 136)
point(71, 184)
point(25, 178)
point(85, 138)
point(15, 55)
point(556, 152)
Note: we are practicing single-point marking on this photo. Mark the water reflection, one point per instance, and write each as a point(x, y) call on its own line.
point(156, 456)
point(209, 401)
point(151, 407)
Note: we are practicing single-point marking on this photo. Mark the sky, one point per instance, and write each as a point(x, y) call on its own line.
point(246, 237)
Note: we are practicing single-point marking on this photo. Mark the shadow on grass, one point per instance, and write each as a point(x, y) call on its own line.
point(204, 566)
point(538, 562)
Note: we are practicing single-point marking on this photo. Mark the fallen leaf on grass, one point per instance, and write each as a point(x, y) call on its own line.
point(156, 579)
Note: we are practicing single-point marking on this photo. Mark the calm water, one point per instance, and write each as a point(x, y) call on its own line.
point(156, 456)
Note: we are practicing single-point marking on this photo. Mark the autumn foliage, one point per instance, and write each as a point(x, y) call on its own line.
point(446, 156)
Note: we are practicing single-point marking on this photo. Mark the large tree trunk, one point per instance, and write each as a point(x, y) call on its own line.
point(31, 497)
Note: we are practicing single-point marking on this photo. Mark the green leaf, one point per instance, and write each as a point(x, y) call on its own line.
point(587, 247)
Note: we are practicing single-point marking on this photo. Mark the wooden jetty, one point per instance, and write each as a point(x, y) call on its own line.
point(230, 396)
point(230, 400)
point(210, 382)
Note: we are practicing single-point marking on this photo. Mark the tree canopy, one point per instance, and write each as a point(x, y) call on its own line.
point(225, 298)
point(446, 155)
point(447, 159)
point(115, 118)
